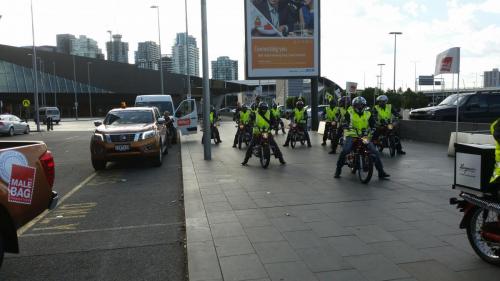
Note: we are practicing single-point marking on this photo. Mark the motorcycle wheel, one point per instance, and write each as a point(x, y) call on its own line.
point(364, 167)
point(265, 156)
point(302, 142)
point(293, 142)
point(240, 140)
point(392, 146)
point(487, 251)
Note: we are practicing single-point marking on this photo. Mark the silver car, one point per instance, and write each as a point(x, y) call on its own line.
point(11, 125)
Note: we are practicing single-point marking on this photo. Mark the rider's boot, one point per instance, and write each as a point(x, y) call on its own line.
point(383, 175)
point(338, 171)
point(287, 141)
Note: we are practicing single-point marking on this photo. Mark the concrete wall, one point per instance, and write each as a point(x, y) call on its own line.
point(435, 131)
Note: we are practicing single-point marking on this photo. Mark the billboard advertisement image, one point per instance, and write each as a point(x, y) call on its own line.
point(282, 38)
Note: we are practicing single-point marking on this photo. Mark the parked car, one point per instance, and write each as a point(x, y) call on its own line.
point(52, 112)
point(135, 132)
point(479, 107)
point(27, 172)
point(11, 125)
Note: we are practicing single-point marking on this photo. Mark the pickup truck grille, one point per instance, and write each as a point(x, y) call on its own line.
point(122, 138)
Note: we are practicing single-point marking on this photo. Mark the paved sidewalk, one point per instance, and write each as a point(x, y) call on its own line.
point(296, 222)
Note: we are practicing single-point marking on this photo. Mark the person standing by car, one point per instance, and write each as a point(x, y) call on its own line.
point(262, 121)
point(359, 120)
point(299, 118)
point(495, 131)
point(385, 114)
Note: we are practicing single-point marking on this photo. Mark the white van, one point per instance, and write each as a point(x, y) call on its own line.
point(185, 116)
point(52, 112)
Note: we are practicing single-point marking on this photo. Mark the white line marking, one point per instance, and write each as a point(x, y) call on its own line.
point(27, 226)
point(103, 229)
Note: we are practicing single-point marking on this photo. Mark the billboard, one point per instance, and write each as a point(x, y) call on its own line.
point(425, 80)
point(282, 38)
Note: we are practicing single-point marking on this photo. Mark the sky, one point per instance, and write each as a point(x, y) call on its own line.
point(354, 33)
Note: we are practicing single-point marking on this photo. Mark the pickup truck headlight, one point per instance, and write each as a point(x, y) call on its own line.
point(98, 137)
point(148, 134)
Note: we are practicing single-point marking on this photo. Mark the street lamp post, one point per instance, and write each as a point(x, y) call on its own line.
point(57, 84)
point(159, 43)
point(207, 152)
point(395, 33)
point(88, 87)
point(187, 55)
point(379, 83)
point(34, 70)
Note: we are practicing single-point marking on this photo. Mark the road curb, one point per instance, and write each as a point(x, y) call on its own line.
point(203, 263)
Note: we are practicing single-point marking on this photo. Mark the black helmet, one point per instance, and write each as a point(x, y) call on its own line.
point(212, 108)
point(300, 104)
point(344, 101)
point(359, 104)
point(263, 106)
point(244, 107)
point(275, 105)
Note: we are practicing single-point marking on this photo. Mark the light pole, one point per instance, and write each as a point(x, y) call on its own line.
point(159, 43)
point(395, 33)
point(110, 56)
point(187, 56)
point(88, 87)
point(57, 83)
point(34, 70)
point(207, 152)
point(381, 65)
point(416, 86)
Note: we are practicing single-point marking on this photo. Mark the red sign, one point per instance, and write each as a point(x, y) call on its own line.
point(446, 64)
point(21, 184)
point(183, 122)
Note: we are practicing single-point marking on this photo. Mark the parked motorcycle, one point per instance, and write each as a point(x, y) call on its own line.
point(244, 134)
point(387, 138)
point(296, 135)
point(360, 159)
point(262, 148)
point(213, 128)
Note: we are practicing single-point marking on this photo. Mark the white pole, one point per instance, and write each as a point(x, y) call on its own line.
point(88, 88)
point(458, 106)
point(74, 88)
point(159, 43)
point(187, 56)
point(35, 77)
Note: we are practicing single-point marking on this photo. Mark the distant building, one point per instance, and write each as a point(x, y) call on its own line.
point(179, 55)
point(85, 47)
point(167, 63)
point(225, 69)
point(492, 78)
point(148, 55)
point(117, 50)
point(64, 43)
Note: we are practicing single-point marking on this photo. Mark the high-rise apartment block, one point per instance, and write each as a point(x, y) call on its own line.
point(225, 69)
point(179, 55)
point(85, 47)
point(117, 50)
point(64, 43)
point(167, 63)
point(492, 78)
point(148, 55)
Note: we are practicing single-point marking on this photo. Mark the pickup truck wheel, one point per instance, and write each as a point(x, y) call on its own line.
point(158, 159)
point(1, 249)
point(174, 136)
point(98, 164)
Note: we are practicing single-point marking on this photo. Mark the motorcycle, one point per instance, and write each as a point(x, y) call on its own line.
point(360, 160)
point(332, 133)
point(277, 126)
point(296, 135)
point(213, 128)
point(244, 134)
point(262, 148)
point(387, 138)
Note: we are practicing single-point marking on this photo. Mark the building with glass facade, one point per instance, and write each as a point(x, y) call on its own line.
point(148, 55)
point(117, 50)
point(492, 78)
point(225, 69)
point(65, 80)
point(179, 55)
point(85, 47)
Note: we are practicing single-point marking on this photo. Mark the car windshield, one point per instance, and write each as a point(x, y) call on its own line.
point(452, 100)
point(128, 117)
point(161, 105)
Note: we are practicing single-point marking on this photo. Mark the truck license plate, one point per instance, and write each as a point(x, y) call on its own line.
point(122, 147)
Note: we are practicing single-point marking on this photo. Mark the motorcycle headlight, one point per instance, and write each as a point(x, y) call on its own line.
point(241, 126)
point(365, 140)
point(148, 134)
point(98, 137)
point(334, 123)
point(390, 126)
point(265, 135)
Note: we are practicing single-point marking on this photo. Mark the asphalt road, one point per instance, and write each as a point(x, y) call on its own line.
point(124, 223)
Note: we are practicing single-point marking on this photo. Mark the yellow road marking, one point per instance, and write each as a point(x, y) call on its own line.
point(27, 226)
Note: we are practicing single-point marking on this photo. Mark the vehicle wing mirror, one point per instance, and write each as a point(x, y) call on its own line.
point(161, 120)
point(97, 123)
